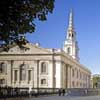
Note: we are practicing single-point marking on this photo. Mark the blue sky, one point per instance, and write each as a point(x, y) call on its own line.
point(51, 33)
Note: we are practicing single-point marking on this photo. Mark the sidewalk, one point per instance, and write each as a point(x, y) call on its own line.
point(58, 98)
point(66, 98)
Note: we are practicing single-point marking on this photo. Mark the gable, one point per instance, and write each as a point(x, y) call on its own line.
point(28, 49)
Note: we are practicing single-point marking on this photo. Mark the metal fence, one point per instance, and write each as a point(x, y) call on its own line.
point(10, 92)
point(83, 91)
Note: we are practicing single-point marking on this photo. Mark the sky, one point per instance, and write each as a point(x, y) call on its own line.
point(52, 33)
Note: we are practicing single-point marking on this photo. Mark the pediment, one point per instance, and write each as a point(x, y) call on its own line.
point(28, 49)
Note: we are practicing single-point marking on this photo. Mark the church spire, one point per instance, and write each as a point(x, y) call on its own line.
point(71, 20)
point(70, 44)
point(71, 32)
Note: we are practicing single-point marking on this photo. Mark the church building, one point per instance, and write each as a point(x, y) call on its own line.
point(37, 67)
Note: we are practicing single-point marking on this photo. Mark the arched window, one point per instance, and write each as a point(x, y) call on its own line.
point(43, 67)
point(23, 72)
point(2, 67)
point(68, 50)
point(43, 81)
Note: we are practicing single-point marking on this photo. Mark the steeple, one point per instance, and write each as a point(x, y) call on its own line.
point(70, 31)
point(70, 44)
point(71, 20)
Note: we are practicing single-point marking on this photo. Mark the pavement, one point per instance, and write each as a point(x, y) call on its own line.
point(66, 98)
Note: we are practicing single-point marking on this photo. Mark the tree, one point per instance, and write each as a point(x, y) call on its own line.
point(96, 79)
point(17, 17)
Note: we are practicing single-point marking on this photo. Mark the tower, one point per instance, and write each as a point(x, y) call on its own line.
point(70, 44)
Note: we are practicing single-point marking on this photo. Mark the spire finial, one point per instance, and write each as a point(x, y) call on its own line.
point(71, 19)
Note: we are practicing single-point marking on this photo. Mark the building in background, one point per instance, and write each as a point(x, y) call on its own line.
point(37, 67)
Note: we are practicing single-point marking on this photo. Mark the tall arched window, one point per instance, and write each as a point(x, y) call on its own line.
point(43, 67)
point(23, 72)
point(68, 50)
point(2, 67)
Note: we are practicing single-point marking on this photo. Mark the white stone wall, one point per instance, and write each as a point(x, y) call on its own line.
point(58, 75)
point(59, 69)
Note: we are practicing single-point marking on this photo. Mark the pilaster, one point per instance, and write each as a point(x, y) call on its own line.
point(69, 76)
point(58, 75)
point(36, 74)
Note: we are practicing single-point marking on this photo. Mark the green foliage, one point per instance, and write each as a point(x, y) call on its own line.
point(17, 17)
point(95, 81)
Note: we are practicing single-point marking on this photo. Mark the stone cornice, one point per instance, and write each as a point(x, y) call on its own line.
point(53, 52)
point(61, 52)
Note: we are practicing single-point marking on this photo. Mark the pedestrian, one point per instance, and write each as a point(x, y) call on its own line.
point(63, 91)
point(59, 92)
point(30, 91)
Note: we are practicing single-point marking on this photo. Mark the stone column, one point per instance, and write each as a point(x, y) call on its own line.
point(36, 74)
point(13, 76)
point(18, 76)
point(58, 75)
point(51, 74)
point(9, 73)
point(64, 76)
point(32, 77)
point(69, 76)
point(27, 81)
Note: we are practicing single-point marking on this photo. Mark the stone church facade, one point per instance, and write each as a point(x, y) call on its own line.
point(36, 67)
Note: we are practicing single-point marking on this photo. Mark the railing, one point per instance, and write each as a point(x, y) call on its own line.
point(9, 92)
point(83, 92)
